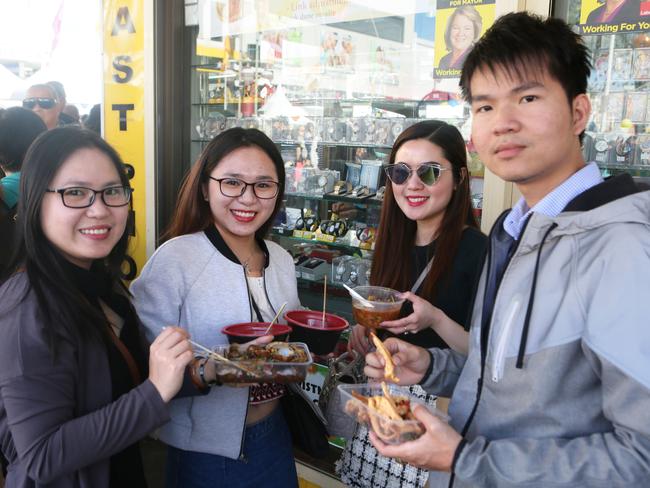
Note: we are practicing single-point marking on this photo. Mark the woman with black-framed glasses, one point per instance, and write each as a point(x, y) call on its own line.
point(435, 262)
point(216, 270)
point(77, 391)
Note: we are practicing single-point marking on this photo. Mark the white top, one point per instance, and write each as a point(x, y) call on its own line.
point(256, 287)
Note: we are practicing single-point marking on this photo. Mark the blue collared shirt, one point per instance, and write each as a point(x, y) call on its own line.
point(553, 203)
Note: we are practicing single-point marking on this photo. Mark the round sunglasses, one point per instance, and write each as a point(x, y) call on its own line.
point(429, 173)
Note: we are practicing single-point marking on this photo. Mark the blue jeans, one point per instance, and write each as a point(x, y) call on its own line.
point(268, 461)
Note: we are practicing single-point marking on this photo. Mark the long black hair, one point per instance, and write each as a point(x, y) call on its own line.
point(62, 303)
point(391, 263)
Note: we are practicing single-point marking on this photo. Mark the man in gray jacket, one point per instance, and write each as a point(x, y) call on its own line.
point(555, 389)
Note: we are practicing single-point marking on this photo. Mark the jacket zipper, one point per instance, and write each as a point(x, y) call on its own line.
point(504, 337)
point(241, 456)
point(484, 336)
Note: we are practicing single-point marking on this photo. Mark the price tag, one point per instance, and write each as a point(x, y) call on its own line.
point(325, 238)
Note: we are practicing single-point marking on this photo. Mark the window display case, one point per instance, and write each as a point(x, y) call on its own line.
point(334, 115)
point(618, 134)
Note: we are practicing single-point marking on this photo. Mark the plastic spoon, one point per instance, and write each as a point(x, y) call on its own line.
point(356, 295)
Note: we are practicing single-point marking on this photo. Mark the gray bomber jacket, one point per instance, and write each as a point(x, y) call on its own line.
point(196, 282)
point(576, 412)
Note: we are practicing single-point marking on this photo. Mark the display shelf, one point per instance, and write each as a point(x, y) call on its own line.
point(319, 284)
point(333, 143)
point(336, 198)
point(352, 249)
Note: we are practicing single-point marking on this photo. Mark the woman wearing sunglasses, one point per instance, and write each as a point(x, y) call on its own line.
point(75, 394)
point(216, 271)
point(435, 262)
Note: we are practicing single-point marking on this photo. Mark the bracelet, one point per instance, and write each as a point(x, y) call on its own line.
point(202, 372)
point(196, 380)
point(202, 375)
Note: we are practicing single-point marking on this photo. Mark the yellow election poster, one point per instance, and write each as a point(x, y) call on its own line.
point(123, 109)
point(614, 16)
point(459, 24)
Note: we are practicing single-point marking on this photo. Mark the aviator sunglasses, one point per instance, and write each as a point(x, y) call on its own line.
point(429, 172)
point(45, 103)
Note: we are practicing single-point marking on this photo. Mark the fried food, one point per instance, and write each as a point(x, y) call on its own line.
point(389, 416)
point(389, 365)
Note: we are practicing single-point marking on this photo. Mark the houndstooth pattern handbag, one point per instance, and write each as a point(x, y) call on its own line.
point(361, 466)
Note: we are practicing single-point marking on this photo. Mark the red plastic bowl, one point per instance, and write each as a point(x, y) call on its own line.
point(247, 331)
point(308, 327)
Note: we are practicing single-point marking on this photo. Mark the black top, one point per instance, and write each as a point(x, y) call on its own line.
point(126, 468)
point(454, 295)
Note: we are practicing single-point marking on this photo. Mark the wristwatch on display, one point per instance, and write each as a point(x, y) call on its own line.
point(601, 146)
point(366, 234)
point(307, 223)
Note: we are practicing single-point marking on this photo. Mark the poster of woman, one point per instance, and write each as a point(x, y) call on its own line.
point(611, 16)
point(458, 27)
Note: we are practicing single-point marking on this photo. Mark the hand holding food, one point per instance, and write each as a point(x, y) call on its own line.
point(169, 353)
point(434, 449)
point(256, 362)
point(388, 415)
point(389, 366)
point(411, 362)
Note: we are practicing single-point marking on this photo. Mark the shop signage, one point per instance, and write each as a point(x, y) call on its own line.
point(123, 108)
point(614, 16)
point(459, 24)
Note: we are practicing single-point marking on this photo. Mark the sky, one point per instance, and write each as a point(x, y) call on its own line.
point(73, 57)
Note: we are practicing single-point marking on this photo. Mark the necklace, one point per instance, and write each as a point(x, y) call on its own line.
point(249, 264)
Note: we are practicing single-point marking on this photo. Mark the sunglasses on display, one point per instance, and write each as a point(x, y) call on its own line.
point(45, 103)
point(429, 173)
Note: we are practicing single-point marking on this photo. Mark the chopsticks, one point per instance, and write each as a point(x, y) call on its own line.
point(324, 297)
point(218, 357)
point(275, 318)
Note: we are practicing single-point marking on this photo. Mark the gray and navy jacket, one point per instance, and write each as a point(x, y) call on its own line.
point(555, 390)
point(195, 281)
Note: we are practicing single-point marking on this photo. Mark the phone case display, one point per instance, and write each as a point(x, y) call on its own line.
point(643, 150)
point(616, 137)
point(641, 66)
point(635, 106)
point(622, 64)
point(614, 108)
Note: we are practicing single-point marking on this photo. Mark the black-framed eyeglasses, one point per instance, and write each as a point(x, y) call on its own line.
point(43, 102)
point(234, 187)
point(429, 173)
point(82, 197)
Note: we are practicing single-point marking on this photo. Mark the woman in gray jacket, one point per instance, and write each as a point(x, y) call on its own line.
point(216, 271)
point(73, 403)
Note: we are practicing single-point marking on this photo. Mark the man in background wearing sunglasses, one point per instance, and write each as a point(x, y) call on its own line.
point(555, 388)
point(42, 100)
